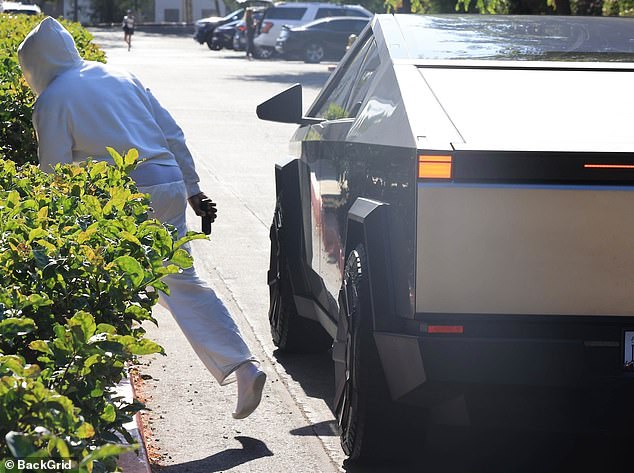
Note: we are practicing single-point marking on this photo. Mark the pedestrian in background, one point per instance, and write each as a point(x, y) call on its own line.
point(250, 25)
point(128, 24)
point(84, 106)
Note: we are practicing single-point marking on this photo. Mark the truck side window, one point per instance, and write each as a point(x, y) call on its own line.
point(364, 79)
point(336, 104)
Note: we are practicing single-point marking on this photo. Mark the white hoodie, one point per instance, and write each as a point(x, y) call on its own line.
point(82, 107)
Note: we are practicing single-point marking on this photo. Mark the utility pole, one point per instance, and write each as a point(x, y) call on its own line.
point(75, 11)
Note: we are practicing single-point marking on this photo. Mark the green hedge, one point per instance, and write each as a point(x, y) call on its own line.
point(80, 263)
point(17, 137)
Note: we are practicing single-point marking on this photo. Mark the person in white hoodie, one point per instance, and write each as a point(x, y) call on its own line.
point(82, 107)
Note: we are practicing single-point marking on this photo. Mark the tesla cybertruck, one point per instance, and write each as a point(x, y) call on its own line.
point(456, 219)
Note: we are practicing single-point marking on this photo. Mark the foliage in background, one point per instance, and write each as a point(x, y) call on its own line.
point(17, 137)
point(517, 7)
point(81, 264)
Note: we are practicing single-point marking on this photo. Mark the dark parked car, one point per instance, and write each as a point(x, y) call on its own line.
point(223, 36)
point(455, 220)
point(204, 28)
point(326, 38)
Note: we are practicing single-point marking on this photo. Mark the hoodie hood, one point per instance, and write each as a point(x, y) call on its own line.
point(46, 52)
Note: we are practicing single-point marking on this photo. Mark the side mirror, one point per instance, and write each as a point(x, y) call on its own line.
point(285, 107)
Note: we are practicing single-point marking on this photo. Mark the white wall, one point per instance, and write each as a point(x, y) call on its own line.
point(84, 10)
point(186, 10)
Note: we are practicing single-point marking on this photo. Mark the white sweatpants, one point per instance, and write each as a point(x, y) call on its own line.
point(200, 314)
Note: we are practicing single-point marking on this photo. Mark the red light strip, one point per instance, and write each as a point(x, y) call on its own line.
point(445, 329)
point(608, 166)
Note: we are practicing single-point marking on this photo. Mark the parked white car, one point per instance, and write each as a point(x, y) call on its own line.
point(22, 8)
point(297, 14)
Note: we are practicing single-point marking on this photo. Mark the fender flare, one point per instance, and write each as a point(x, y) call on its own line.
point(296, 235)
point(369, 224)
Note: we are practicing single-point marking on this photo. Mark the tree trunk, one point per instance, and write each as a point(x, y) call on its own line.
point(562, 7)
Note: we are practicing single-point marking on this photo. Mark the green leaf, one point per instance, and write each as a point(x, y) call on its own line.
point(19, 444)
point(14, 363)
point(37, 233)
point(61, 447)
point(41, 346)
point(131, 267)
point(182, 258)
point(98, 169)
point(85, 431)
point(127, 236)
point(109, 414)
point(138, 313)
point(131, 157)
point(140, 347)
point(106, 328)
point(116, 157)
point(85, 321)
point(190, 236)
point(37, 300)
point(107, 451)
point(14, 326)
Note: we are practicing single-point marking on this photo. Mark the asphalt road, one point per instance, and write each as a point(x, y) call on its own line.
point(213, 96)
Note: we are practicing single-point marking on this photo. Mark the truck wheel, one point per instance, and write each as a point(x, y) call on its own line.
point(371, 425)
point(290, 331)
point(364, 396)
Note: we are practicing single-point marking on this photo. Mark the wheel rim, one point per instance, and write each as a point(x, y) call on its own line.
point(346, 412)
point(264, 53)
point(314, 52)
point(274, 276)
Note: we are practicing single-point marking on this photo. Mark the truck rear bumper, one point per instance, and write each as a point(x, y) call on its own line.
point(542, 382)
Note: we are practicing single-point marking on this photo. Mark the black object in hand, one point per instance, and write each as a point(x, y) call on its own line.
point(207, 206)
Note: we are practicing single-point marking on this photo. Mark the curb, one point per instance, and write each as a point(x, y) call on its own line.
point(133, 462)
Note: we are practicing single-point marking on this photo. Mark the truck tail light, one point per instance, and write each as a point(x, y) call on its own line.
point(434, 167)
point(454, 329)
point(266, 27)
point(608, 166)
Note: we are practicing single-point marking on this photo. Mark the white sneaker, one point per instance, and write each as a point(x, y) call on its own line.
point(250, 386)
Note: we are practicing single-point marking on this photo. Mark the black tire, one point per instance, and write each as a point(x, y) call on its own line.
point(314, 53)
point(371, 426)
point(291, 332)
point(210, 43)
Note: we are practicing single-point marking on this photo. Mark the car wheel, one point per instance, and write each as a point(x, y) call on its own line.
point(263, 53)
point(291, 332)
point(314, 53)
point(371, 425)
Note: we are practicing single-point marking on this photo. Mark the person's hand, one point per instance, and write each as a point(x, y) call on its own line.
point(203, 206)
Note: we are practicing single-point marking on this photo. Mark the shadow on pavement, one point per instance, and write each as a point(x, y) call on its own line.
point(313, 371)
point(506, 452)
point(321, 429)
point(252, 449)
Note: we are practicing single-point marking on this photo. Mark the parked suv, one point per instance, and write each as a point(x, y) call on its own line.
point(297, 14)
